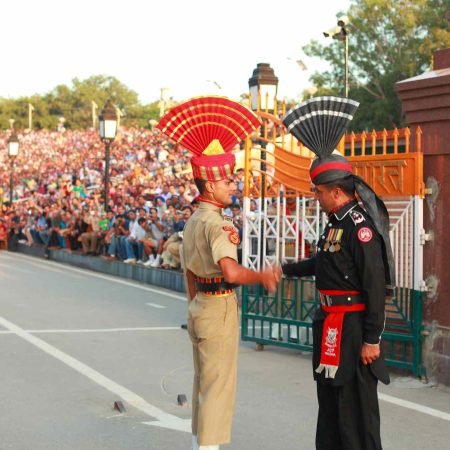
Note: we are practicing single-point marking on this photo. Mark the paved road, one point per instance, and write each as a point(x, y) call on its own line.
point(72, 342)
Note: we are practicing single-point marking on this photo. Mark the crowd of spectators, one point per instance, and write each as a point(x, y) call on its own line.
point(58, 199)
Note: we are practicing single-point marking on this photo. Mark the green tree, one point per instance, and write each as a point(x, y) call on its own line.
point(76, 104)
point(17, 109)
point(389, 41)
point(6, 112)
point(139, 115)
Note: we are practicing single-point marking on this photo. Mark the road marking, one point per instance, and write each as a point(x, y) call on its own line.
point(61, 266)
point(8, 276)
point(414, 406)
point(154, 305)
point(56, 270)
point(50, 269)
point(13, 269)
point(176, 422)
point(103, 330)
point(97, 330)
point(164, 419)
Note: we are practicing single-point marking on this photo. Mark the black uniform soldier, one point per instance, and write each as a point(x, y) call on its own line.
point(353, 268)
point(210, 127)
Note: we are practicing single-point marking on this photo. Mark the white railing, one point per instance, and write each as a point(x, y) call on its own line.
point(271, 235)
point(406, 218)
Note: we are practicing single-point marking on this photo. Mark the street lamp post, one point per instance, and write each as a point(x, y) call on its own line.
point(108, 129)
point(340, 33)
point(263, 91)
point(13, 151)
point(263, 88)
point(342, 22)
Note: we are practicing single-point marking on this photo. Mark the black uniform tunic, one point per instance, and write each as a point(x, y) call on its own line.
point(350, 257)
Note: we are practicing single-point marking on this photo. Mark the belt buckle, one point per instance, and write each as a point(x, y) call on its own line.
point(326, 300)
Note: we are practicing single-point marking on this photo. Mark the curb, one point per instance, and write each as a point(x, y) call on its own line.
point(168, 279)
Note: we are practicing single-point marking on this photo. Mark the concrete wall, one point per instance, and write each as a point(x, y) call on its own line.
point(168, 279)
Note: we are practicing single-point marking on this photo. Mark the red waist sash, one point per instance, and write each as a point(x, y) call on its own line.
point(331, 337)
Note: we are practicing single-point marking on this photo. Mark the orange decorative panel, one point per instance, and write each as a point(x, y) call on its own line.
point(292, 170)
point(391, 175)
point(384, 159)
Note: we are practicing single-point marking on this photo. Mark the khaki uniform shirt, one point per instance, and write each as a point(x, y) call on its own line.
point(207, 238)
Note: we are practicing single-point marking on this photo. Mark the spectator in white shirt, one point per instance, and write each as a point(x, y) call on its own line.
point(134, 246)
point(158, 230)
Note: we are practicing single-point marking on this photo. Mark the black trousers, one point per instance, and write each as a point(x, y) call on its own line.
point(349, 416)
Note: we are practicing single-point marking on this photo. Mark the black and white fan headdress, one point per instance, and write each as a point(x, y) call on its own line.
point(320, 123)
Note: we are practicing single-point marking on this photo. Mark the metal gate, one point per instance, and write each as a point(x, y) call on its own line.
point(288, 221)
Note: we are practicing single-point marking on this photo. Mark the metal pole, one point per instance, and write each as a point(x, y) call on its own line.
point(11, 188)
point(106, 193)
point(30, 115)
point(94, 112)
point(119, 115)
point(162, 103)
point(263, 195)
point(345, 33)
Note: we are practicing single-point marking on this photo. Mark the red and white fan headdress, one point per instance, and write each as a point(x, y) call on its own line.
point(209, 127)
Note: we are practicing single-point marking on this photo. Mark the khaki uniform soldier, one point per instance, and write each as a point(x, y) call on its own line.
point(209, 127)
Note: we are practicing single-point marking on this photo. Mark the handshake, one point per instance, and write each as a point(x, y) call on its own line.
point(270, 277)
point(237, 274)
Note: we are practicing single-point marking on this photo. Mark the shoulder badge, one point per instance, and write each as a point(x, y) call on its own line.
point(233, 234)
point(365, 234)
point(228, 218)
point(357, 217)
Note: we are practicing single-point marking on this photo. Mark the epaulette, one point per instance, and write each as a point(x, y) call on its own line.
point(357, 217)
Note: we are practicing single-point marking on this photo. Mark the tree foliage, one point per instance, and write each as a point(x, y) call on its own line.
point(389, 41)
point(74, 103)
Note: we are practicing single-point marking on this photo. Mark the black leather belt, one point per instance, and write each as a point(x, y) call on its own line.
point(340, 300)
point(215, 287)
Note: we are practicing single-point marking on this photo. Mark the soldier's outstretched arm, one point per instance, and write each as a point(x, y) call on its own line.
point(237, 274)
point(303, 268)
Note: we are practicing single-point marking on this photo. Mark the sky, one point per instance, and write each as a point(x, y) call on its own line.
point(189, 47)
